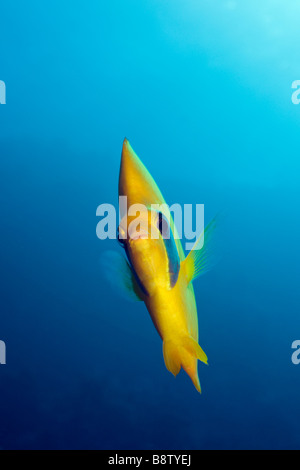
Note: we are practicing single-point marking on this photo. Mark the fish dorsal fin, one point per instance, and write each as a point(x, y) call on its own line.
point(118, 273)
point(202, 257)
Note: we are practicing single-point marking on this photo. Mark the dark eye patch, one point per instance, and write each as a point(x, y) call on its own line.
point(171, 248)
point(163, 226)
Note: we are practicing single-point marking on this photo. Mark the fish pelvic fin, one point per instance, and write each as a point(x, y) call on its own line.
point(184, 353)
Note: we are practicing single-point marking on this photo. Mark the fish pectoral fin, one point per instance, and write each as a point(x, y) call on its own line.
point(194, 349)
point(200, 260)
point(118, 273)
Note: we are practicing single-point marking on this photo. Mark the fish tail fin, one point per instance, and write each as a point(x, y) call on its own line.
point(171, 357)
point(184, 353)
point(193, 353)
point(194, 349)
point(195, 379)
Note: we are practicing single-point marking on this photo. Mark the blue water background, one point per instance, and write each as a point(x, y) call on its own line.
point(203, 92)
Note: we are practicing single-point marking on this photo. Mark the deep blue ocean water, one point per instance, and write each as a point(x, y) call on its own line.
point(203, 92)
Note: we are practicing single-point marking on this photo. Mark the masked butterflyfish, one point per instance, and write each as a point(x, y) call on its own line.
point(154, 268)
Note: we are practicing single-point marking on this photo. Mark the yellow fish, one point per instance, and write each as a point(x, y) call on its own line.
point(157, 271)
